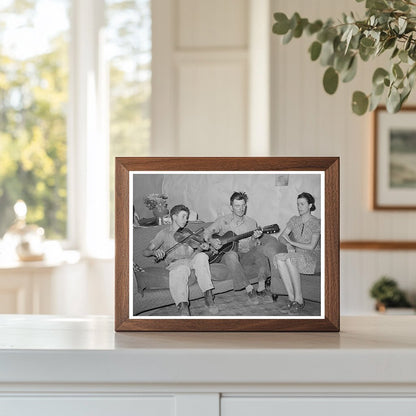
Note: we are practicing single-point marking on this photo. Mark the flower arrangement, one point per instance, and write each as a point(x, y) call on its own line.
point(153, 201)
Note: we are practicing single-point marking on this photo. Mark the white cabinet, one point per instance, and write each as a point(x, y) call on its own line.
point(322, 406)
point(88, 406)
point(79, 366)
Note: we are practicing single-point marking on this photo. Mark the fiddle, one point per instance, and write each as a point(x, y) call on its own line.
point(193, 239)
point(187, 236)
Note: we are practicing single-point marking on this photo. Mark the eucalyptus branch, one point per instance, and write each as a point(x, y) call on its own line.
point(388, 25)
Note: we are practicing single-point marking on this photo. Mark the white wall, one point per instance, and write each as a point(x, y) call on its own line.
point(202, 84)
point(209, 194)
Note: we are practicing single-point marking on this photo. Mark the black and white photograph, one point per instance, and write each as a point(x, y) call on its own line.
point(227, 244)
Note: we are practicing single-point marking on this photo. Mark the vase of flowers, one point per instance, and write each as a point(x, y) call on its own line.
point(158, 203)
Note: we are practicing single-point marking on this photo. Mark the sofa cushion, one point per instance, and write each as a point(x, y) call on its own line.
point(155, 277)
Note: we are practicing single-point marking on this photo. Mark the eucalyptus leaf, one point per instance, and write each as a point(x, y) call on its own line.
point(402, 22)
point(376, 36)
point(347, 32)
point(298, 30)
point(315, 50)
point(412, 70)
point(341, 62)
point(395, 52)
point(411, 76)
point(399, 85)
point(322, 36)
point(395, 27)
point(400, 5)
point(403, 56)
point(288, 37)
point(374, 102)
point(376, 4)
point(366, 53)
point(331, 33)
point(379, 75)
point(350, 73)
point(314, 27)
point(353, 31)
point(294, 21)
point(367, 42)
point(412, 52)
point(281, 26)
point(350, 18)
point(393, 101)
point(359, 103)
point(327, 53)
point(330, 80)
point(411, 79)
point(378, 89)
point(355, 41)
point(389, 43)
point(397, 71)
point(404, 96)
point(408, 42)
point(337, 44)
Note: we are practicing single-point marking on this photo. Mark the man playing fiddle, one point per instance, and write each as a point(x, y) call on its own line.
point(181, 261)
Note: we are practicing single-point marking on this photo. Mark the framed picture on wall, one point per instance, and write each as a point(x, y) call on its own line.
point(394, 179)
point(227, 244)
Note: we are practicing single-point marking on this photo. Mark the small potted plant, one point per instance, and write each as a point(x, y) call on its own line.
point(387, 294)
point(158, 203)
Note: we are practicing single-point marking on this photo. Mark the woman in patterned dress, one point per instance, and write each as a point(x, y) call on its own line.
point(302, 239)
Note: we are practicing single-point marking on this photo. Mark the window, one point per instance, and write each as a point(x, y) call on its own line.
point(33, 97)
point(129, 47)
point(75, 87)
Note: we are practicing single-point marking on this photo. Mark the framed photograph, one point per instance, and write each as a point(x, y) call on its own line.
point(227, 244)
point(394, 180)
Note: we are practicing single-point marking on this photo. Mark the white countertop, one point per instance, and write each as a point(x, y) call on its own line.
point(53, 349)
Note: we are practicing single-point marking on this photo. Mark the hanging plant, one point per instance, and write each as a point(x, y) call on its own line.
point(389, 27)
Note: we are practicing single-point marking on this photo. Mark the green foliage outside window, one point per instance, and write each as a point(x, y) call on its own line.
point(34, 103)
point(33, 97)
point(129, 39)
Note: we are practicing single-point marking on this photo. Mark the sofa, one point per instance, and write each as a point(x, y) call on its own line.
point(151, 279)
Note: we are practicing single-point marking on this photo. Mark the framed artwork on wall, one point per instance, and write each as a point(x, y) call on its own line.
point(227, 244)
point(394, 179)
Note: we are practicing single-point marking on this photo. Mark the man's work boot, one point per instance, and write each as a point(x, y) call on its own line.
point(209, 302)
point(184, 309)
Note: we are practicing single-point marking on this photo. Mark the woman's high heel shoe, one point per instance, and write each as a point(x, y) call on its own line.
point(296, 308)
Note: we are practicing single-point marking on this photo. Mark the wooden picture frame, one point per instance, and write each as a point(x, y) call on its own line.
point(275, 172)
point(394, 158)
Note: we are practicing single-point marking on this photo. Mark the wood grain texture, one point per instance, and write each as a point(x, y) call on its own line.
point(332, 226)
point(121, 243)
point(330, 165)
point(378, 245)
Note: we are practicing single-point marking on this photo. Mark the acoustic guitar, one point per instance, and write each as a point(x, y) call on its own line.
point(229, 241)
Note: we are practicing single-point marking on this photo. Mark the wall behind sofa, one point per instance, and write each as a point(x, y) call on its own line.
point(209, 194)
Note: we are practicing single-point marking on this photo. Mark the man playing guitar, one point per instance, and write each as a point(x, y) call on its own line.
point(249, 249)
